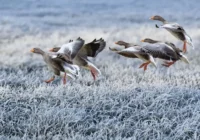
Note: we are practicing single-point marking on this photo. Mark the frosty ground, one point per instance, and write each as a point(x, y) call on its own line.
point(124, 102)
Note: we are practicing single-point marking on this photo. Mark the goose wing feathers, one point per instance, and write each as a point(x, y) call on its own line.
point(68, 51)
point(93, 48)
point(161, 50)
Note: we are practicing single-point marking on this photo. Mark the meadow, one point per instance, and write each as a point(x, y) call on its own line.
point(123, 103)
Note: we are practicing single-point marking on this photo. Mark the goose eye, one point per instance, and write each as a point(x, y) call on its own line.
point(179, 28)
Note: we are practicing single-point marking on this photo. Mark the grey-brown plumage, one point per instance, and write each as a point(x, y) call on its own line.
point(176, 30)
point(135, 51)
point(128, 54)
point(124, 53)
point(57, 65)
point(160, 50)
point(125, 44)
point(91, 49)
point(163, 50)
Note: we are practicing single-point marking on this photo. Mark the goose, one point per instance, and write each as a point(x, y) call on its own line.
point(91, 49)
point(135, 51)
point(176, 30)
point(164, 50)
point(57, 65)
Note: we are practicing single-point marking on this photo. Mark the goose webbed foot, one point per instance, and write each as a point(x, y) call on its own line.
point(64, 79)
point(50, 80)
point(184, 47)
point(168, 64)
point(94, 73)
point(145, 65)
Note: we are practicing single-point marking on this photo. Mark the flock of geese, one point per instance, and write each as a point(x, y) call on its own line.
point(69, 57)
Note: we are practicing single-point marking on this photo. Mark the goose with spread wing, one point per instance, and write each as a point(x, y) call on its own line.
point(135, 51)
point(164, 50)
point(176, 30)
point(91, 49)
point(58, 66)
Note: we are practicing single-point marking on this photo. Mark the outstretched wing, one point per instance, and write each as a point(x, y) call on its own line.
point(93, 48)
point(173, 27)
point(68, 51)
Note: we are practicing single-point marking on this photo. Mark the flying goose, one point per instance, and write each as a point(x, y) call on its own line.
point(176, 30)
point(91, 49)
point(135, 51)
point(57, 65)
point(164, 50)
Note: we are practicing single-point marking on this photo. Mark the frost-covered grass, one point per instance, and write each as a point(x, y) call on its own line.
point(124, 103)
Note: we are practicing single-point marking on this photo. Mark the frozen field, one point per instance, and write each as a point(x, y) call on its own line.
point(124, 102)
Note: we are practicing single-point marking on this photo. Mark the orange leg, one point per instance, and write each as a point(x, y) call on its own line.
point(184, 47)
point(64, 79)
point(142, 65)
point(93, 75)
point(145, 65)
point(50, 80)
point(93, 72)
point(168, 64)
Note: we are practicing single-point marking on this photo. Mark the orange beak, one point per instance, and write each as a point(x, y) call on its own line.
point(152, 18)
point(142, 40)
point(32, 50)
point(51, 50)
point(116, 42)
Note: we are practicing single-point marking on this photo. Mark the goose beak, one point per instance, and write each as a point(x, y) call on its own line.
point(51, 50)
point(142, 40)
point(32, 50)
point(116, 42)
point(113, 49)
point(152, 18)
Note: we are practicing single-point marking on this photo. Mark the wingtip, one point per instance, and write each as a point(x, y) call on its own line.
point(70, 40)
point(102, 39)
point(154, 64)
point(192, 46)
point(185, 59)
point(79, 38)
point(156, 26)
